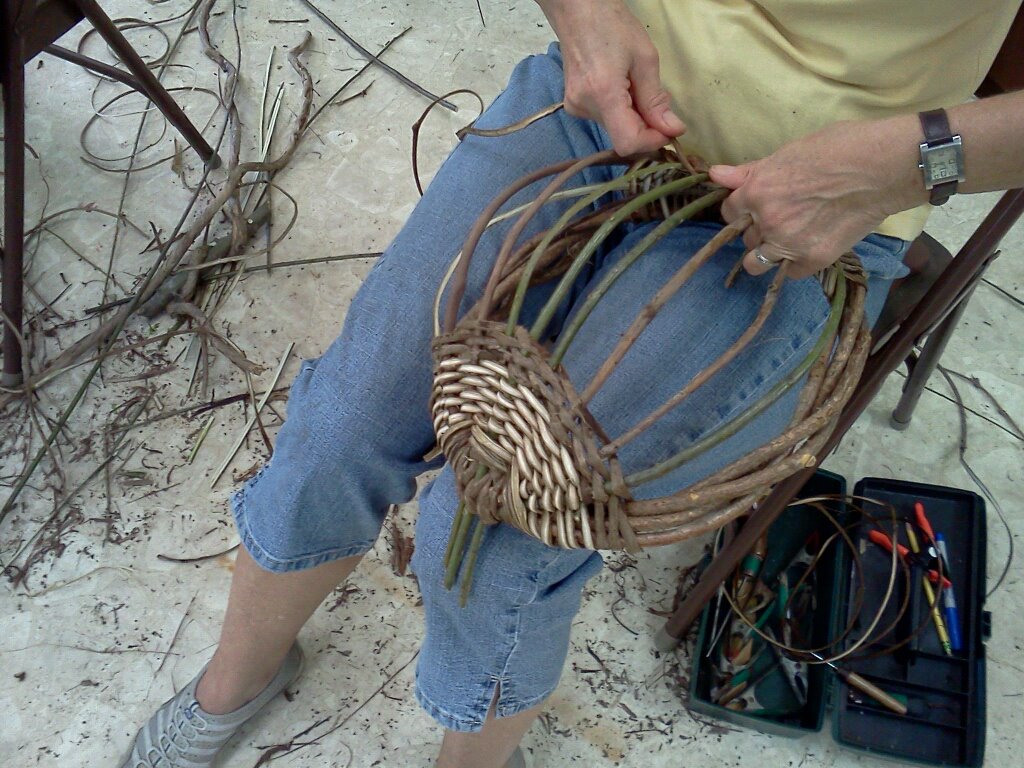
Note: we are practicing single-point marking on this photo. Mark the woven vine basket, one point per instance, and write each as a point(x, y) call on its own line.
point(524, 447)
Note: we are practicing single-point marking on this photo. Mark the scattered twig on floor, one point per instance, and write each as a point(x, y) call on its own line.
point(154, 492)
point(18, 574)
point(199, 440)
point(684, 583)
point(271, 752)
point(245, 271)
point(198, 558)
point(331, 99)
point(1009, 295)
point(294, 263)
point(343, 593)
point(85, 649)
point(174, 639)
point(61, 585)
point(252, 421)
point(402, 546)
point(376, 59)
point(975, 382)
point(620, 599)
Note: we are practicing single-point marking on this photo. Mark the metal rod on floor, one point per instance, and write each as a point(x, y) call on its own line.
point(93, 65)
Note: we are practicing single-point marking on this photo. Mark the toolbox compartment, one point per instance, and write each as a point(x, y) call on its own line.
point(786, 535)
point(945, 724)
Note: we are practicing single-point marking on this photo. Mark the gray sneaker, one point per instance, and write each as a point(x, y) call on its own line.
point(181, 735)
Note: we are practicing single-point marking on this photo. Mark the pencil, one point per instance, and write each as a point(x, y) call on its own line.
point(940, 625)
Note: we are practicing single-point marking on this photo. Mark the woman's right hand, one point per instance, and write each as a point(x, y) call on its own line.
point(611, 73)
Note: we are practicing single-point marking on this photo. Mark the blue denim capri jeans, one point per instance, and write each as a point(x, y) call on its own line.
point(358, 422)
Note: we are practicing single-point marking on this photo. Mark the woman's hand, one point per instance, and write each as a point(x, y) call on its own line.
point(816, 197)
point(611, 73)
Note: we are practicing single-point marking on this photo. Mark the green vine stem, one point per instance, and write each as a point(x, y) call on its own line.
point(474, 550)
point(602, 234)
point(456, 544)
point(594, 193)
point(732, 427)
point(650, 239)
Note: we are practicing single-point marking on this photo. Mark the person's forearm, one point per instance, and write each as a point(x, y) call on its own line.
point(993, 135)
point(554, 9)
point(564, 15)
point(993, 143)
point(815, 197)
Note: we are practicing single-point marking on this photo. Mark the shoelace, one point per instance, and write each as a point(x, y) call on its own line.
point(175, 737)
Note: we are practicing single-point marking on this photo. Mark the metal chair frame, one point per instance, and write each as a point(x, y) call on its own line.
point(28, 27)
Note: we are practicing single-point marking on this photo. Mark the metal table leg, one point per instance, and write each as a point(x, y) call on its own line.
point(13, 78)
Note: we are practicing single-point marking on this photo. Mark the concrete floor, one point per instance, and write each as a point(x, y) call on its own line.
point(103, 633)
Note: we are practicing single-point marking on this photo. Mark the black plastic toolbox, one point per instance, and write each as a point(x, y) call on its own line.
point(945, 724)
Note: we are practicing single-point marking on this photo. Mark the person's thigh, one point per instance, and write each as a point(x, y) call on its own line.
point(358, 420)
point(514, 632)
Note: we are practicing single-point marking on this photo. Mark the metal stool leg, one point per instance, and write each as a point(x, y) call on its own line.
point(151, 86)
point(924, 365)
point(13, 78)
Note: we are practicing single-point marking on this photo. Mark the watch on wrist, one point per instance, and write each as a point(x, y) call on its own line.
point(942, 156)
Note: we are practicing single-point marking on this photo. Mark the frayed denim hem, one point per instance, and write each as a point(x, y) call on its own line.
point(473, 724)
point(269, 562)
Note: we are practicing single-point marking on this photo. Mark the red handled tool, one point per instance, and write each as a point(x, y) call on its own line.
point(923, 523)
point(908, 557)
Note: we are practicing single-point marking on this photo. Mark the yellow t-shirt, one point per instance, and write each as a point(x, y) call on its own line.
point(746, 77)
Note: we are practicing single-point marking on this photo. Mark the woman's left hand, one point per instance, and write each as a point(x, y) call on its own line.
point(815, 198)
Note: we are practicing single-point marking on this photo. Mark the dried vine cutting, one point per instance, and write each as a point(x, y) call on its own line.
point(190, 271)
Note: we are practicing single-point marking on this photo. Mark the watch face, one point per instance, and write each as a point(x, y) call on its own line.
point(943, 164)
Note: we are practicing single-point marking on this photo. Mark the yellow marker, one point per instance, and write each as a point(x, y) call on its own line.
point(940, 625)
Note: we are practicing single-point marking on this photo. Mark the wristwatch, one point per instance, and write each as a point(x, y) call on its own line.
point(942, 156)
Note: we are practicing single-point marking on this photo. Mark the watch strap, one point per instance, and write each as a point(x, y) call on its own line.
point(940, 193)
point(935, 124)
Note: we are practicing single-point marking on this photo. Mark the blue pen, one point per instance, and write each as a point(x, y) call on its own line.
point(949, 600)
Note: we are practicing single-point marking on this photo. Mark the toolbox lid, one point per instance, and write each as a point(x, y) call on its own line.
point(945, 694)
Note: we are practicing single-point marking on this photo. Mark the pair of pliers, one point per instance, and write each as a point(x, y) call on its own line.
point(931, 563)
